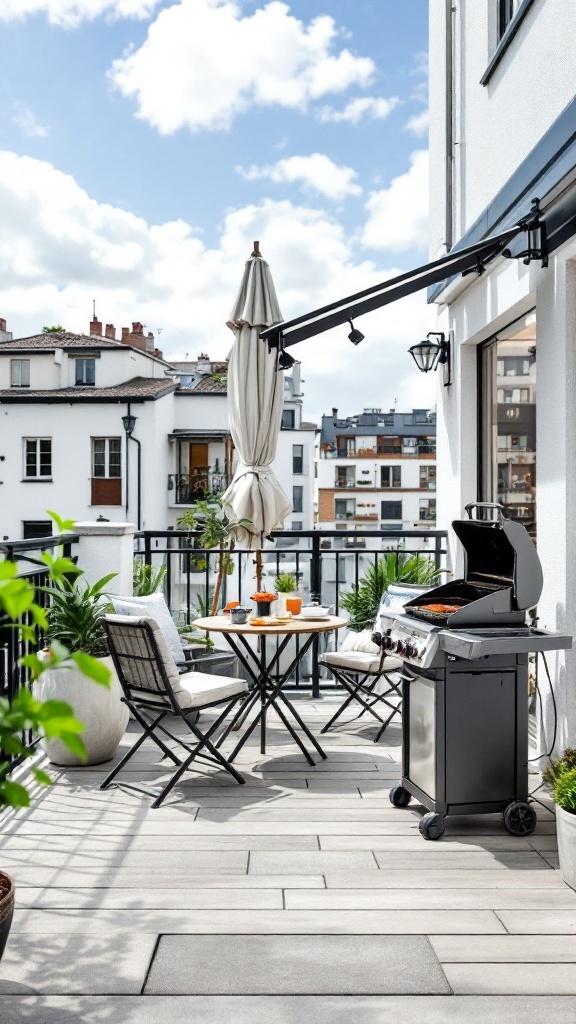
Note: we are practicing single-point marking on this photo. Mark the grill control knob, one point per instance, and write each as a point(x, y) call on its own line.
point(409, 651)
point(401, 647)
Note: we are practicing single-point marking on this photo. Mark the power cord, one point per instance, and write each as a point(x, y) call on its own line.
point(547, 753)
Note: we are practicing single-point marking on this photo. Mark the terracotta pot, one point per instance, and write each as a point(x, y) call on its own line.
point(7, 890)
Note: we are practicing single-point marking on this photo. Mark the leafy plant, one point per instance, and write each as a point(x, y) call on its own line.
point(54, 329)
point(552, 772)
point(216, 531)
point(75, 619)
point(363, 601)
point(19, 611)
point(147, 579)
point(286, 583)
point(565, 790)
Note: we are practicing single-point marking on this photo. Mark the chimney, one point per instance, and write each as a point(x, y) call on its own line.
point(111, 332)
point(125, 335)
point(203, 364)
point(334, 414)
point(137, 328)
point(150, 342)
point(95, 327)
point(4, 334)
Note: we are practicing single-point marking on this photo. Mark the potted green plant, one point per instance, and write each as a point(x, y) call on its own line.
point(397, 570)
point(216, 531)
point(75, 622)
point(286, 586)
point(560, 776)
point(20, 612)
point(147, 579)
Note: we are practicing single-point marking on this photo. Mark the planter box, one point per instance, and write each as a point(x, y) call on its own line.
point(566, 829)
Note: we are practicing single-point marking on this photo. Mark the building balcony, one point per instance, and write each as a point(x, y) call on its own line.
point(186, 488)
point(424, 450)
point(367, 515)
point(342, 482)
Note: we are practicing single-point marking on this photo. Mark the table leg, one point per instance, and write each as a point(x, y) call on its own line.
point(262, 643)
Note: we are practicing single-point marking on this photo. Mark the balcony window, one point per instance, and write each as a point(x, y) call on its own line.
point(297, 458)
point(513, 366)
point(106, 471)
point(85, 372)
point(297, 499)
point(20, 373)
point(37, 458)
point(506, 13)
point(288, 419)
point(391, 510)
point(345, 476)
point(296, 524)
point(508, 395)
point(344, 508)
point(390, 476)
point(428, 477)
point(427, 510)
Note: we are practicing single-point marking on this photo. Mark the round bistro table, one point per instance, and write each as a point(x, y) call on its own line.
point(267, 678)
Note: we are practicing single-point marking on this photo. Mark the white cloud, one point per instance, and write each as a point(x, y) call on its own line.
point(317, 173)
point(374, 107)
point(204, 63)
point(59, 249)
point(418, 124)
point(398, 215)
point(26, 121)
point(69, 13)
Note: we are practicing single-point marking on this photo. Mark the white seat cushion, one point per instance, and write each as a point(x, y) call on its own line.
point(358, 661)
point(199, 688)
point(153, 606)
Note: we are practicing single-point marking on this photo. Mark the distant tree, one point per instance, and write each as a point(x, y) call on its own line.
point(54, 329)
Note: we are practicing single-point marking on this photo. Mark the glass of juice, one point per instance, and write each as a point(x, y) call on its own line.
point(294, 605)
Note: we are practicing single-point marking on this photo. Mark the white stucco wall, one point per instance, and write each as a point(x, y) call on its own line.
point(495, 126)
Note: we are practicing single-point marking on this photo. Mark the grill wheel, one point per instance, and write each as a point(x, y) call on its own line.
point(520, 819)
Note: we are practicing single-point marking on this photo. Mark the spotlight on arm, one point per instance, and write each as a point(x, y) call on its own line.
point(285, 361)
point(355, 336)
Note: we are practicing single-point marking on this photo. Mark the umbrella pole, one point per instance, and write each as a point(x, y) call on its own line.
point(258, 569)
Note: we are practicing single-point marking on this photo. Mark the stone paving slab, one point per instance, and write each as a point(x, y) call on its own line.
point(539, 922)
point(244, 898)
point(263, 922)
point(287, 863)
point(308, 964)
point(88, 963)
point(457, 879)
point(431, 899)
point(505, 948)
point(509, 979)
point(423, 862)
point(286, 1010)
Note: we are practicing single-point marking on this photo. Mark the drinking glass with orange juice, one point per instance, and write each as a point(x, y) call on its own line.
point(294, 605)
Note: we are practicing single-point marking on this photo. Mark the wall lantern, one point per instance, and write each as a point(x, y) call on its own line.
point(129, 424)
point(428, 355)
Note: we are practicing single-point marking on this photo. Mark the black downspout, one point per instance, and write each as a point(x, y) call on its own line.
point(449, 226)
point(139, 491)
point(127, 465)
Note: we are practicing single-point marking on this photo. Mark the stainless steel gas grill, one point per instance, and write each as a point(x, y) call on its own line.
point(465, 649)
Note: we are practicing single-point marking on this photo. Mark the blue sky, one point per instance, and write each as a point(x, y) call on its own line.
point(145, 144)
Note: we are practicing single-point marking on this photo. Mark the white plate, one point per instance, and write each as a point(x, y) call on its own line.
point(314, 613)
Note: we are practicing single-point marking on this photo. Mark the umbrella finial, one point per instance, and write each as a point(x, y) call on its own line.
point(256, 251)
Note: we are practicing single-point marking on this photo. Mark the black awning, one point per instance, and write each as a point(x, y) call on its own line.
point(459, 261)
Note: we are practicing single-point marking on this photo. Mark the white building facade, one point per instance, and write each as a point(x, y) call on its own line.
point(502, 135)
point(92, 426)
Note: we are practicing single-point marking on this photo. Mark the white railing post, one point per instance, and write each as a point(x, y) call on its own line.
point(104, 548)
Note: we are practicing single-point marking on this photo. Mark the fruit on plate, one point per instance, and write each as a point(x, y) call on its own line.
point(257, 622)
point(263, 596)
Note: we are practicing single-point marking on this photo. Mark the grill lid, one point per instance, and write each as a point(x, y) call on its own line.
point(500, 554)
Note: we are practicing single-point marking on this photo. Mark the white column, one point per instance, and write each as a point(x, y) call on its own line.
point(104, 548)
point(556, 488)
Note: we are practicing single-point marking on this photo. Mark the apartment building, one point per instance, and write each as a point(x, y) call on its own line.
point(377, 470)
point(98, 426)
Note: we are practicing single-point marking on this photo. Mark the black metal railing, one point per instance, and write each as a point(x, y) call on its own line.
point(328, 563)
point(186, 488)
point(13, 647)
point(333, 452)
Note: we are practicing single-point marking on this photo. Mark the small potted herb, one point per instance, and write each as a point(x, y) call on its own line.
point(286, 585)
point(560, 776)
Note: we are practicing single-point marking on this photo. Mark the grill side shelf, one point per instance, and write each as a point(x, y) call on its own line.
point(471, 646)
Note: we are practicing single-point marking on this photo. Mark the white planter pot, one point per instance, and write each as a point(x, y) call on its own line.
point(566, 830)
point(99, 709)
point(280, 604)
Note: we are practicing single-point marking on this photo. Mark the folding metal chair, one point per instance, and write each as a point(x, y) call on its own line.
point(360, 666)
point(154, 688)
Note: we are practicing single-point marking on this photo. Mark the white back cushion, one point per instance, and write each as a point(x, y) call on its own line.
point(143, 673)
point(152, 607)
point(359, 642)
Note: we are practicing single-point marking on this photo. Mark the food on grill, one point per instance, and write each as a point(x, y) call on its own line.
point(441, 609)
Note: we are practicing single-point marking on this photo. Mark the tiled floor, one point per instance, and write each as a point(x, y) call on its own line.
point(303, 895)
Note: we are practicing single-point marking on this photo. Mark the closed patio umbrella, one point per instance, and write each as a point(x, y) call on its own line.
point(255, 403)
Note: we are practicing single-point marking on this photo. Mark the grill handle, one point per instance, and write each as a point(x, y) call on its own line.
point(486, 504)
